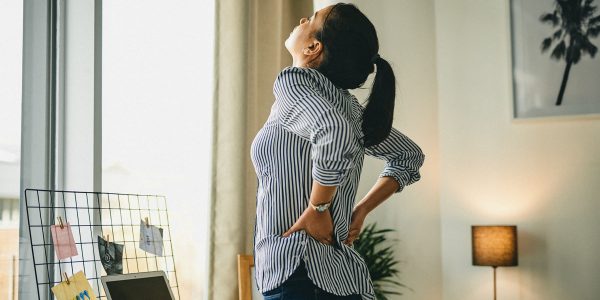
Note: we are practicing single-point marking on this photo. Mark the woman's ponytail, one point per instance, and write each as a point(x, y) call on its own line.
point(379, 112)
point(349, 56)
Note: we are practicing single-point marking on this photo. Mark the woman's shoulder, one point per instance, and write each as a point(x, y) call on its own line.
point(295, 82)
point(292, 76)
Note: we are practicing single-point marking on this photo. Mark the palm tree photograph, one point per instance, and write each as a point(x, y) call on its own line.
point(555, 69)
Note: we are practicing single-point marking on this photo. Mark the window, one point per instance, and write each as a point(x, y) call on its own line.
point(155, 105)
point(11, 26)
point(157, 67)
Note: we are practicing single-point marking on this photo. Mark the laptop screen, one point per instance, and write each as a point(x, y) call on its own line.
point(139, 289)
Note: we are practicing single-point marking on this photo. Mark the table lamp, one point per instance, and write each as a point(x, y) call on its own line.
point(494, 246)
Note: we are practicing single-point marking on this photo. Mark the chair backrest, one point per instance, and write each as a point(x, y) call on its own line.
point(245, 264)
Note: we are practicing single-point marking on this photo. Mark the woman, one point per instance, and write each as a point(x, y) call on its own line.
point(309, 154)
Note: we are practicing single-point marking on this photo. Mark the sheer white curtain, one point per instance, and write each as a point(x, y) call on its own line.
point(250, 53)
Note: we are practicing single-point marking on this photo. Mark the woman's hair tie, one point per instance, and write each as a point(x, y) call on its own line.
point(375, 58)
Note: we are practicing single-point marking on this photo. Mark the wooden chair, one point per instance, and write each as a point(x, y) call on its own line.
point(245, 264)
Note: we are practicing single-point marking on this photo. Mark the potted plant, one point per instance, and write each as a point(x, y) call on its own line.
point(380, 261)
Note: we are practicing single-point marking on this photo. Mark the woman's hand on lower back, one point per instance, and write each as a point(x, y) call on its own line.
point(319, 225)
point(356, 223)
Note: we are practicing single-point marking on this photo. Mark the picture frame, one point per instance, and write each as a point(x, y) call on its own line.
point(552, 75)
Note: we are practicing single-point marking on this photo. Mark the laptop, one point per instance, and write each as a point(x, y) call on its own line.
point(138, 286)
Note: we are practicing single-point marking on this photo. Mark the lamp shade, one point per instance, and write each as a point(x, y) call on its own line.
point(494, 246)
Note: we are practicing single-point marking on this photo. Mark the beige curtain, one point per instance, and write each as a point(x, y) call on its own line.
point(249, 53)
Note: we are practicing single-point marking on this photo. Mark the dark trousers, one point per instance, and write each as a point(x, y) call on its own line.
point(300, 287)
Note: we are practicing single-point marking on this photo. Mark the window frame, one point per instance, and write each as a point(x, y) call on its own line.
point(50, 107)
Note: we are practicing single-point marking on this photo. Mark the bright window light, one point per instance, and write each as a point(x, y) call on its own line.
point(157, 85)
point(11, 47)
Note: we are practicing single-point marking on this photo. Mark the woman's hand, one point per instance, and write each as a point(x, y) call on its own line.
point(319, 225)
point(356, 223)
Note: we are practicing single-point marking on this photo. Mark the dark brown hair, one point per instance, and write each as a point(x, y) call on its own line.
point(350, 54)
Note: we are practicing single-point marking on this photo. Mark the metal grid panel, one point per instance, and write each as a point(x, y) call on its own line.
point(90, 215)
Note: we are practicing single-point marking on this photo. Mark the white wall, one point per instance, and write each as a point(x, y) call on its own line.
point(540, 175)
point(453, 63)
point(406, 36)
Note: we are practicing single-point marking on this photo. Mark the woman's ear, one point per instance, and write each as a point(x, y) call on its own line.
point(314, 48)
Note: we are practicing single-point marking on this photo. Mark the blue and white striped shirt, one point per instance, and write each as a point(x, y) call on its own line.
point(314, 132)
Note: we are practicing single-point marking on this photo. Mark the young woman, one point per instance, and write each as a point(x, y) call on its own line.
point(309, 155)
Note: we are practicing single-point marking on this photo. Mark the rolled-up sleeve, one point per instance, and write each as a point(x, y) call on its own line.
point(402, 156)
point(306, 113)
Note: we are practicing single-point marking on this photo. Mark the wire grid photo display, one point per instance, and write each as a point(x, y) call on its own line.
point(90, 215)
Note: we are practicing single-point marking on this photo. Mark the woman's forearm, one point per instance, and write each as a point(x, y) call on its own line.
point(321, 193)
point(317, 224)
point(381, 191)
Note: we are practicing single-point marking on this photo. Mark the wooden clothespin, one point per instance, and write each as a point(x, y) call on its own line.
point(108, 239)
point(147, 223)
point(60, 222)
point(67, 278)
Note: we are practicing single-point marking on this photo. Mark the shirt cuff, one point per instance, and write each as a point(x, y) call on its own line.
point(400, 177)
point(329, 177)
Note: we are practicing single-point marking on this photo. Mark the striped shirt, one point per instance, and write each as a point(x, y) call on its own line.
point(313, 132)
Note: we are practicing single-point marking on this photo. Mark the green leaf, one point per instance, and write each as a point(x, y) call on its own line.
point(373, 245)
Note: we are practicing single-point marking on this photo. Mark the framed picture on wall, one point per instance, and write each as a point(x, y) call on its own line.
point(556, 64)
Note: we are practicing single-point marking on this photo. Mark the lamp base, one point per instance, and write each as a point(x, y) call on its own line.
point(494, 267)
